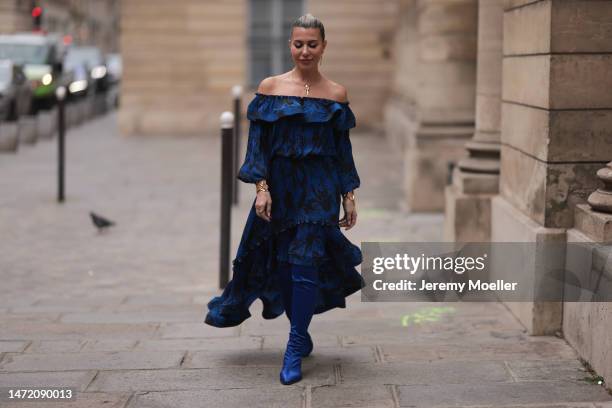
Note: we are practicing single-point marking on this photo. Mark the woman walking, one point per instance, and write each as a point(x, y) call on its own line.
point(292, 254)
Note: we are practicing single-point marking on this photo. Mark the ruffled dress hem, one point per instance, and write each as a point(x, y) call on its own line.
point(257, 274)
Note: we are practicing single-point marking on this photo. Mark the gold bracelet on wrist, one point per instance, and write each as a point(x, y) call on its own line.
point(261, 185)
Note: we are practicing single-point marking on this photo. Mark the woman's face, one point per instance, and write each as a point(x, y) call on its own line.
point(306, 47)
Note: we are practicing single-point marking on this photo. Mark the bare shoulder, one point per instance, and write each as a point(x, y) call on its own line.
point(267, 85)
point(339, 92)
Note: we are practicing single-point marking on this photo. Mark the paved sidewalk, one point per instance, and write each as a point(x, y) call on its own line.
point(119, 315)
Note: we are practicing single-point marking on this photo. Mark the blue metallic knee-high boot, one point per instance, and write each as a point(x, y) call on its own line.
point(305, 281)
point(287, 288)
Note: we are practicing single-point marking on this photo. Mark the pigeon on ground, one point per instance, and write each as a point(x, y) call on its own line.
point(100, 222)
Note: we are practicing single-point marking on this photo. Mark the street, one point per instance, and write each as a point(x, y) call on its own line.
point(118, 315)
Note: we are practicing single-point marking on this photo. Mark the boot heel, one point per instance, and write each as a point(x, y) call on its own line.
point(308, 347)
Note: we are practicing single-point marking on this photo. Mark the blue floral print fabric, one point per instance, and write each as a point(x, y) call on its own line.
point(301, 146)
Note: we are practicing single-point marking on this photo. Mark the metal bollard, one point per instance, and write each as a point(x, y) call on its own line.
point(69, 115)
point(9, 137)
point(227, 130)
point(237, 93)
point(60, 93)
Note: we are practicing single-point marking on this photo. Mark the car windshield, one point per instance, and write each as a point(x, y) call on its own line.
point(90, 56)
point(72, 63)
point(24, 53)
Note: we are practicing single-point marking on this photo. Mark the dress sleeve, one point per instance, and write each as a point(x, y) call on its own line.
point(255, 166)
point(349, 179)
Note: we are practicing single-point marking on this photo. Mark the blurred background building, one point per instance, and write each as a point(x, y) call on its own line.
point(182, 58)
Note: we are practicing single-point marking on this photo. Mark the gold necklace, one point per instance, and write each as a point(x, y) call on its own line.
point(306, 88)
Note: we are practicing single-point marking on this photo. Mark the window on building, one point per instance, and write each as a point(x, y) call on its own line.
point(269, 23)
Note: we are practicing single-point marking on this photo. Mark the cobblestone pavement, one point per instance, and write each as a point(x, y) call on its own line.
point(119, 315)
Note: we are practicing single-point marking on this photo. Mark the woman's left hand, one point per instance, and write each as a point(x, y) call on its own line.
point(350, 214)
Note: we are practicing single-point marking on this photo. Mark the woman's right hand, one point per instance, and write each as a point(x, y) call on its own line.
point(263, 205)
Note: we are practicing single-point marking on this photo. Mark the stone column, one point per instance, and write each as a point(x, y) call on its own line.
point(556, 127)
point(445, 98)
point(476, 178)
point(400, 111)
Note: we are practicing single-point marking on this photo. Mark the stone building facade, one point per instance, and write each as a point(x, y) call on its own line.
point(88, 21)
point(523, 86)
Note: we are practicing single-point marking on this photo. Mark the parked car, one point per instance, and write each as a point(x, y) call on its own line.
point(93, 59)
point(77, 77)
point(15, 91)
point(41, 61)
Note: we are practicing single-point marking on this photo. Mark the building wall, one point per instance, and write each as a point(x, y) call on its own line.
point(182, 59)
point(14, 16)
point(564, 134)
point(180, 62)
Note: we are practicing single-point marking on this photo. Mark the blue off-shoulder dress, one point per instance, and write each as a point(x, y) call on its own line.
point(301, 146)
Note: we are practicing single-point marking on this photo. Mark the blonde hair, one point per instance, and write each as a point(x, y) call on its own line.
point(309, 21)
